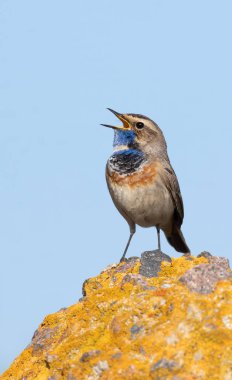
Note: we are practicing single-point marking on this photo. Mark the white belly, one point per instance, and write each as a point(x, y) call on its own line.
point(146, 206)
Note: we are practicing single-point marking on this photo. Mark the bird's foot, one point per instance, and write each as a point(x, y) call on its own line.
point(123, 260)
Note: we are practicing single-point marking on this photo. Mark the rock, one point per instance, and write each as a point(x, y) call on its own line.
point(89, 355)
point(205, 254)
point(151, 262)
point(127, 264)
point(163, 363)
point(41, 338)
point(136, 280)
point(117, 355)
point(135, 329)
point(203, 278)
point(137, 320)
point(219, 261)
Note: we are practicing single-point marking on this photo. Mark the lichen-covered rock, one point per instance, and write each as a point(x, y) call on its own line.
point(203, 278)
point(174, 326)
point(151, 262)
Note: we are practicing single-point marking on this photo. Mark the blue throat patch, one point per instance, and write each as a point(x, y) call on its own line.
point(123, 137)
point(128, 160)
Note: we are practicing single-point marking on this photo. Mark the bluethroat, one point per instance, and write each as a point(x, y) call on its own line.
point(142, 182)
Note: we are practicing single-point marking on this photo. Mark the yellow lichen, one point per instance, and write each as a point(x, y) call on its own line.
point(131, 327)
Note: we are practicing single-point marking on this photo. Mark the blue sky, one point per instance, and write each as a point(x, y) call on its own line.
point(61, 65)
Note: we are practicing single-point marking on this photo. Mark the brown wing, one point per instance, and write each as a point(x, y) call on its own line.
point(169, 177)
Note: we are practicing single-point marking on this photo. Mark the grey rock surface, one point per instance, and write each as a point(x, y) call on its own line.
point(205, 254)
point(203, 278)
point(151, 262)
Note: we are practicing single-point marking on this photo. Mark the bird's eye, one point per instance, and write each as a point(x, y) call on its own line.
point(139, 125)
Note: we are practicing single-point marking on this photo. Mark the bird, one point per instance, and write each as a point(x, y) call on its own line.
point(141, 181)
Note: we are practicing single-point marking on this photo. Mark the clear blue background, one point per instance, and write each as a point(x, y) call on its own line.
point(61, 64)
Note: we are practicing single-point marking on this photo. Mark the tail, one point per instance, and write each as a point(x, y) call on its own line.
point(177, 240)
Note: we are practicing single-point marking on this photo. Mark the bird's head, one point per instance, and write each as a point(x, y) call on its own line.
point(137, 131)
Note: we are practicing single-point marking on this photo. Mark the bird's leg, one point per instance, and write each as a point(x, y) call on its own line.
point(158, 234)
point(127, 246)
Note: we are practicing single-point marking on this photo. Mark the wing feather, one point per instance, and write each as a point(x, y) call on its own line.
point(170, 180)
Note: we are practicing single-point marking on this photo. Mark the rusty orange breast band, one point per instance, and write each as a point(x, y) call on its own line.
point(142, 177)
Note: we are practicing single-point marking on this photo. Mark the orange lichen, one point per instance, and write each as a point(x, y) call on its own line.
point(129, 326)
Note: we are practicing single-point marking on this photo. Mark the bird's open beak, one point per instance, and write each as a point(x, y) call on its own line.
point(126, 125)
